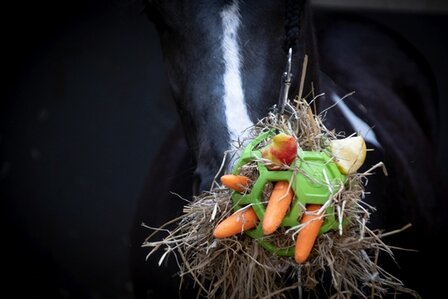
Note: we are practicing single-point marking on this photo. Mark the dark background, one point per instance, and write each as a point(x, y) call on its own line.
point(84, 108)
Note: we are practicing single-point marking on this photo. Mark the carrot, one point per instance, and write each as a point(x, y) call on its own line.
point(307, 236)
point(235, 182)
point(236, 223)
point(277, 207)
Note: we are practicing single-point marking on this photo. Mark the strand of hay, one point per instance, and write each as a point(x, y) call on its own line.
point(238, 267)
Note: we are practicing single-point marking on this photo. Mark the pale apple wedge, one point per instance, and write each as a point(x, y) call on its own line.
point(349, 153)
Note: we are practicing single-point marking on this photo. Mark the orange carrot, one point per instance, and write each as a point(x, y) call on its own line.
point(236, 223)
point(278, 205)
point(235, 182)
point(307, 236)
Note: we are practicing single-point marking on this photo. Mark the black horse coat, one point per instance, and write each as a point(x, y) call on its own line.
point(395, 96)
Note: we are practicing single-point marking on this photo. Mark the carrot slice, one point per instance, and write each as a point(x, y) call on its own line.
point(235, 182)
point(307, 236)
point(236, 223)
point(277, 207)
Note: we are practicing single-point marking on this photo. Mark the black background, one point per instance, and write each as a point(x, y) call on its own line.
point(84, 108)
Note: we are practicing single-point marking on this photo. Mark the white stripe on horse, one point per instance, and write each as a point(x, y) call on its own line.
point(357, 124)
point(237, 117)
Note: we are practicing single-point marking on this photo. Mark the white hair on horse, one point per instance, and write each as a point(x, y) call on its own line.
point(357, 124)
point(237, 117)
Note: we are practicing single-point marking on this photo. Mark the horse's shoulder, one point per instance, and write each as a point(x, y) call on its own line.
point(365, 56)
point(394, 93)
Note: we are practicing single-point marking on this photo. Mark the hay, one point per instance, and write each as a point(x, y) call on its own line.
point(238, 267)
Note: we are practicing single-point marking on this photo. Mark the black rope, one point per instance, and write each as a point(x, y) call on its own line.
point(292, 24)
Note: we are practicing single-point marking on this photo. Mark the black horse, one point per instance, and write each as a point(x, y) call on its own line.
point(224, 61)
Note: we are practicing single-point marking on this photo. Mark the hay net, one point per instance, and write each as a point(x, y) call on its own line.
point(238, 267)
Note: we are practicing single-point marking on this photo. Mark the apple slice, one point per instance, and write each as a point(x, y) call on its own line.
point(282, 149)
point(349, 153)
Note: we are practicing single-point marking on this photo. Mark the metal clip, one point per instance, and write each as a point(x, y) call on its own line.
point(286, 84)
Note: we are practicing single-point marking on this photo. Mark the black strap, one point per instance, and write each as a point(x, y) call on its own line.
point(292, 23)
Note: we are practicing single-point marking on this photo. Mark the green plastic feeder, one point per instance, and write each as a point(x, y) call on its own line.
point(315, 180)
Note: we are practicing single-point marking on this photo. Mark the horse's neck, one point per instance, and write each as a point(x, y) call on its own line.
point(307, 44)
point(306, 47)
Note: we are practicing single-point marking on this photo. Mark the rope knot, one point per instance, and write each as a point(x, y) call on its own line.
point(292, 23)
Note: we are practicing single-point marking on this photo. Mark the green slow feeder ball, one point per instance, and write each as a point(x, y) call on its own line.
point(315, 179)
